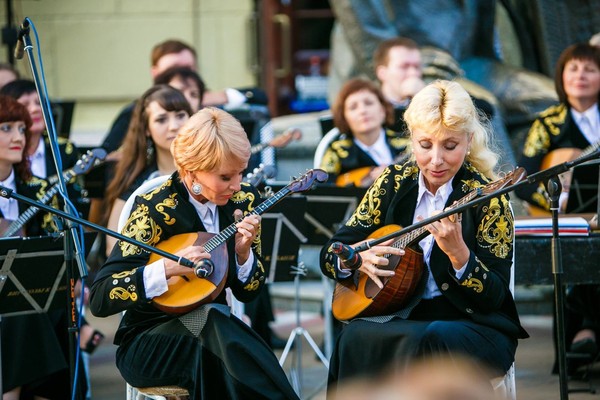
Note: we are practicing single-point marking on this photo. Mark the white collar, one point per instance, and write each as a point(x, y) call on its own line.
point(377, 145)
point(203, 208)
point(10, 181)
point(40, 151)
point(592, 115)
point(444, 191)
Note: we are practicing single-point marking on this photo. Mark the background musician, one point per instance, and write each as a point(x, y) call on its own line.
point(558, 135)
point(207, 350)
point(39, 151)
point(572, 124)
point(146, 151)
point(35, 349)
point(462, 303)
point(360, 113)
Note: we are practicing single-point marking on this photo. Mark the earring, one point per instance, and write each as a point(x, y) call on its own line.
point(196, 188)
point(149, 151)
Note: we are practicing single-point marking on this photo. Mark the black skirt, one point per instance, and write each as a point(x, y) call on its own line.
point(209, 352)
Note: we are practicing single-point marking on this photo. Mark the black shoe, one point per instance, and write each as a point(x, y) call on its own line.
point(277, 343)
point(586, 346)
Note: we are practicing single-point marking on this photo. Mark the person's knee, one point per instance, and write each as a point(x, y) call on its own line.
point(446, 335)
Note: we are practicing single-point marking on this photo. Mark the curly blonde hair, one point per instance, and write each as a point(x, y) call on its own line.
point(446, 105)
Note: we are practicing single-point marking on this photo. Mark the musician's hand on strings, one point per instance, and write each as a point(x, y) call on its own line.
point(373, 259)
point(192, 253)
point(448, 235)
point(247, 230)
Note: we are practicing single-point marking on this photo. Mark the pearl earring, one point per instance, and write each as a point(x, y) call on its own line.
point(196, 188)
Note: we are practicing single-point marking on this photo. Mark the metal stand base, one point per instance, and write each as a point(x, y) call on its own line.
point(295, 339)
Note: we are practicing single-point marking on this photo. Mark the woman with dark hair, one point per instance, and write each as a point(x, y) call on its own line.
point(206, 350)
point(360, 113)
point(187, 82)
point(574, 123)
point(145, 153)
point(38, 148)
point(34, 347)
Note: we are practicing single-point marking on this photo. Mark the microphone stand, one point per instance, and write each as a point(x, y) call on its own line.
point(554, 189)
point(9, 193)
point(72, 239)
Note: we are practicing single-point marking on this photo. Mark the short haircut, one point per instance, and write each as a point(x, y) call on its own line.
point(210, 139)
point(577, 51)
point(381, 54)
point(12, 111)
point(350, 87)
point(171, 46)
point(18, 88)
point(182, 72)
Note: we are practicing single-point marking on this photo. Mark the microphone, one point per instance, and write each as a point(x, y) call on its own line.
point(204, 268)
point(20, 46)
point(349, 257)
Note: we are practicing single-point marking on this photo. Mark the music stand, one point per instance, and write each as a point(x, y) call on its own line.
point(281, 235)
point(23, 292)
point(328, 208)
point(583, 193)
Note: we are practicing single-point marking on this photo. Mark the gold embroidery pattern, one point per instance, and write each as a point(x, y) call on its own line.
point(170, 202)
point(148, 196)
point(241, 197)
point(142, 228)
point(495, 231)
point(538, 138)
point(123, 274)
point(253, 285)
point(399, 143)
point(122, 294)
point(260, 266)
point(473, 283)
point(330, 269)
point(368, 213)
point(331, 162)
point(340, 147)
point(409, 172)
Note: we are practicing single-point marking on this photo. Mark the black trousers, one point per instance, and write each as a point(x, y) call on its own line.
point(210, 353)
point(368, 349)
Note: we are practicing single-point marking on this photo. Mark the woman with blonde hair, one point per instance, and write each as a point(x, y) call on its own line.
point(462, 303)
point(207, 350)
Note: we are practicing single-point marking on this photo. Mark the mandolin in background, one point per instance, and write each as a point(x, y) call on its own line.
point(278, 142)
point(554, 158)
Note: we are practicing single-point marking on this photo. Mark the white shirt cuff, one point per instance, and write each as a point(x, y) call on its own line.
point(343, 272)
point(235, 98)
point(459, 272)
point(155, 280)
point(243, 271)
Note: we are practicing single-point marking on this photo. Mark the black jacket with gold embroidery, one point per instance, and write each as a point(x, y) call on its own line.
point(482, 294)
point(155, 217)
point(343, 155)
point(554, 129)
point(42, 222)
